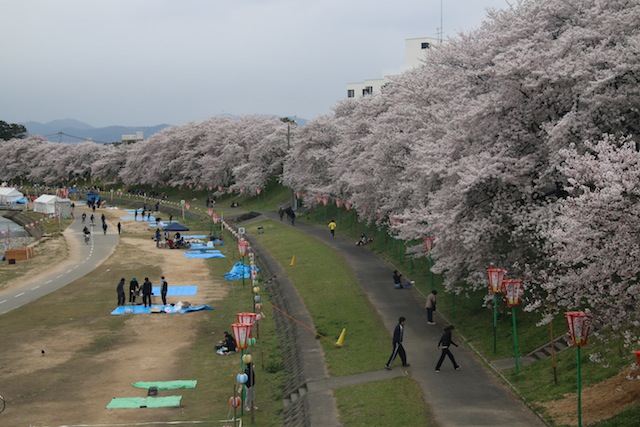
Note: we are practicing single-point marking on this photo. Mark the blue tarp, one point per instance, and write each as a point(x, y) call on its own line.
point(140, 309)
point(205, 255)
point(174, 291)
point(237, 270)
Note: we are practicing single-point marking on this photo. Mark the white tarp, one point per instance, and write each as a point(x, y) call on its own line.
point(49, 204)
point(9, 195)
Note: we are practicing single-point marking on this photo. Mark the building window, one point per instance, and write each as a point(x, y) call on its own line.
point(368, 90)
point(425, 45)
point(351, 93)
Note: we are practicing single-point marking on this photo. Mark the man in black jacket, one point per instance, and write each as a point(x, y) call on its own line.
point(445, 342)
point(398, 332)
point(147, 290)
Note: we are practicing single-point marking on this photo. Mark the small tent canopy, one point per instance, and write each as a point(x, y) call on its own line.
point(10, 195)
point(49, 204)
point(92, 197)
point(176, 226)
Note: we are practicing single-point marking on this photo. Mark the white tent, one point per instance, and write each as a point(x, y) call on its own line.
point(9, 195)
point(48, 204)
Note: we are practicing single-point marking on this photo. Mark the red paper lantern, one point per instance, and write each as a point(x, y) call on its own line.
point(235, 401)
point(241, 333)
point(579, 324)
point(247, 318)
point(242, 247)
point(496, 275)
point(428, 243)
point(512, 291)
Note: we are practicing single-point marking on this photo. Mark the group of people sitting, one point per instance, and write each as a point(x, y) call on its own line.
point(226, 345)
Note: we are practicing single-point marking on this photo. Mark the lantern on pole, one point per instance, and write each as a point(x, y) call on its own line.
point(579, 323)
point(241, 333)
point(246, 318)
point(242, 250)
point(496, 275)
point(512, 293)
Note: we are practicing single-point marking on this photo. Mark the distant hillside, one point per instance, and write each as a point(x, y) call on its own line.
point(70, 130)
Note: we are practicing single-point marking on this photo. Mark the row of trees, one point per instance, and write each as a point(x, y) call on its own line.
point(514, 145)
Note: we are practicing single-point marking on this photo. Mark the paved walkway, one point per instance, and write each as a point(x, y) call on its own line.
point(471, 396)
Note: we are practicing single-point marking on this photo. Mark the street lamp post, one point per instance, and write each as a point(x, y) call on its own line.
point(579, 324)
point(496, 275)
point(513, 292)
point(242, 249)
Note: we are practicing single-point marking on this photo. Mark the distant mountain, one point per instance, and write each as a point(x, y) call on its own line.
point(70, 130)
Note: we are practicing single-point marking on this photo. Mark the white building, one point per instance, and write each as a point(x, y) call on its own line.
point(414, 55)
point(139, 136)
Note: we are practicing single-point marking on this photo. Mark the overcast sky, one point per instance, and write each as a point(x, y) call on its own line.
point(146, 62)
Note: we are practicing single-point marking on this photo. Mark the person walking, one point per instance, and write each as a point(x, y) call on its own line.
point(431, 306)
point(398, 333)
point(147, 290)
point(164, 287)
point(120, 291)
point(444, 344)
point(104, 228)
point(119, 228)
point(332, 228)
point(134, 287)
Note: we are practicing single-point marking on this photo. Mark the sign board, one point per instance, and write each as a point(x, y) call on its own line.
point(241, 231)
point(210, 210)
point(187, 205)
point(182, 202)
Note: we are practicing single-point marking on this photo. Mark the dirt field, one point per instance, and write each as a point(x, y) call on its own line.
point(152, 348)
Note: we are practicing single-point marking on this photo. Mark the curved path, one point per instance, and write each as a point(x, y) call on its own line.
point(471, 396)
point(82, 259)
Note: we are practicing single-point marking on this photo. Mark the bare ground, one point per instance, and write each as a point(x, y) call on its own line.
point(152, 347)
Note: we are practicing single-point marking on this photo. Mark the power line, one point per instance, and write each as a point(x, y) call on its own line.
point(60, 134)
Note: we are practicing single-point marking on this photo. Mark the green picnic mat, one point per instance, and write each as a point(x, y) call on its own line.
point(142, 402)
point(166, 385)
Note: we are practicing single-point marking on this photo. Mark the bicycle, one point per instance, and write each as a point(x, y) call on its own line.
point(3, 403)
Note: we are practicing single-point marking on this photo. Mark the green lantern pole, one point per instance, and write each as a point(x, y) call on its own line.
point(512, 292)
point(579, 323)
point(496, 276)
point(242, 249)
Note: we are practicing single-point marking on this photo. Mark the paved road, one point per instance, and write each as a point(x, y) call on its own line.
point(469, 397)
point(78, 265)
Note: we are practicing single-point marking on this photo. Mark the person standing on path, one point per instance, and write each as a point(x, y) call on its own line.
point(332, 228)
point(398, 333)
point(134, 286)
point(444, 344)
point(147, 290)
point(119, 228)
point(164, 287)
point(431, 306)
point(251, 381)
point(120, 291)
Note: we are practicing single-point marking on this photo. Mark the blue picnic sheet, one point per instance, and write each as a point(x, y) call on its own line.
point(204, 254)
point(164, 309)
point(237, 270)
